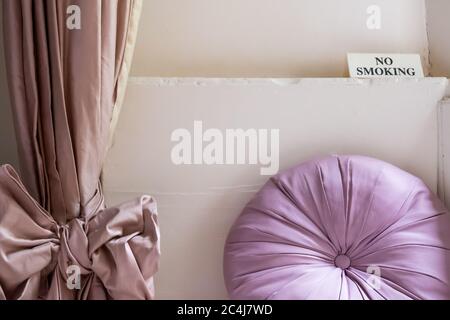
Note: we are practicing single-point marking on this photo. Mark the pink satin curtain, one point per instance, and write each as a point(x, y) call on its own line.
point(64, 87)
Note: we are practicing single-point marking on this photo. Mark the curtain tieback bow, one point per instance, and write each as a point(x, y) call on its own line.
point(113, 254)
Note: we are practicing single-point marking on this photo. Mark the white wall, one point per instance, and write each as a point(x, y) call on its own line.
point(270, 38)
point(438, 16)
point(259, 38)
point(8, 150)
point(393, 120)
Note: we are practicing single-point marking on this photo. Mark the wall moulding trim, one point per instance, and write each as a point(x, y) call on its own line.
point(200, 81)
point(444, 151)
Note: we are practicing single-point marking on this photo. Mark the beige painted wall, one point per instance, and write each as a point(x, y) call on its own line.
point(438, 12)
point(8, 152)
point(270, 38)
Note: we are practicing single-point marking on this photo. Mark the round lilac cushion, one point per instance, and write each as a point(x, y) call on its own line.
point(342, 227)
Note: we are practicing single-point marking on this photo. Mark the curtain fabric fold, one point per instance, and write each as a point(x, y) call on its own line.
point(66, 87)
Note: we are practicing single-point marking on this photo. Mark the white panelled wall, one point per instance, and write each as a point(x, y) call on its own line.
point(263, 39)
point(271, 38)
point(392, 120)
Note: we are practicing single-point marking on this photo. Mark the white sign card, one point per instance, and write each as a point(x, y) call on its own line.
point(380, 65)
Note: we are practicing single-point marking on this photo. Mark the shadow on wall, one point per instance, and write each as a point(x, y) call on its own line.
point(438, 30)
point(8, 150)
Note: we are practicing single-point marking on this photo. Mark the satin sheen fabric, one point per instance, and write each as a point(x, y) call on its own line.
point(342, 227)
point(64, 88)
point(115, 249)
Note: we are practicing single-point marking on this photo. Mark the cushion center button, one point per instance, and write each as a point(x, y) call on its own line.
point(342, 261)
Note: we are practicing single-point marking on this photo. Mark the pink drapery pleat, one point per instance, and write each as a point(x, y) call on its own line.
point(64, 87)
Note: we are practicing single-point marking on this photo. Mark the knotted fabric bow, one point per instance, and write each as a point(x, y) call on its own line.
point(111, 254)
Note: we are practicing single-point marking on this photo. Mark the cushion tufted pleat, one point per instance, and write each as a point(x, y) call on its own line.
point(341, 227)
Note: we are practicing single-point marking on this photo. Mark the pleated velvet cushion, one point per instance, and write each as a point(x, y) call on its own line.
point(342, 227)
